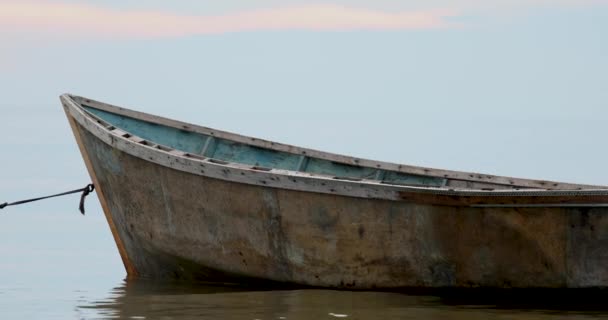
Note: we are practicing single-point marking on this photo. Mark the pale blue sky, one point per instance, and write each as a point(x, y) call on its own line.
point(509, 87)
point(513, 88)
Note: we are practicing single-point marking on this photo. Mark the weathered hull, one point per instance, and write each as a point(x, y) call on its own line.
point(176, 225)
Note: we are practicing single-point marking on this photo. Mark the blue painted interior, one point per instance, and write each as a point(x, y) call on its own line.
point(252, 155)
point(410, 179)
point(231, 151)
point(175, 138)
point(331, 168)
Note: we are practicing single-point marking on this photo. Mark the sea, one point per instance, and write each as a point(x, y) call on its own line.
point(63, 265)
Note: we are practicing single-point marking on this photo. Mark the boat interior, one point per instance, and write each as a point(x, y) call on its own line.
point(225, 148)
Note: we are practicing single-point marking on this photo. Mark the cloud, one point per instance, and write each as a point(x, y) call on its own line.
point(87, 20)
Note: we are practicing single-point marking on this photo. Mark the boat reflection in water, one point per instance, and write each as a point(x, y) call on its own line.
point(143, 299)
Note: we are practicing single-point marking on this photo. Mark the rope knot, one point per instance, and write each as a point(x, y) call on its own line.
point(85, 192)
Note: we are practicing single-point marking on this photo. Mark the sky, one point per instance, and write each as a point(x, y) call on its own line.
point(508, 87)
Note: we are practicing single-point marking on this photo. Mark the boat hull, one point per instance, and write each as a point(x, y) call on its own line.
point(177, 225)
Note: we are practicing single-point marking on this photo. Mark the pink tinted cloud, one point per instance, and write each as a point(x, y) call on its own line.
point(86, 20)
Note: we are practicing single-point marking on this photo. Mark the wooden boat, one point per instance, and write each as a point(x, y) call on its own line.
point(198, 204)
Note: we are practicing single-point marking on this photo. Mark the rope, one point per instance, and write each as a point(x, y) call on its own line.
point(85, 192)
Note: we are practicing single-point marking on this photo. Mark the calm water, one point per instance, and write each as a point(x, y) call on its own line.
point(65, 266)
point(154, 301)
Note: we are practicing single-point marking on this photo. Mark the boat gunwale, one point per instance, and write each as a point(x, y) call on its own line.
point(308, 182)
point(338, 158)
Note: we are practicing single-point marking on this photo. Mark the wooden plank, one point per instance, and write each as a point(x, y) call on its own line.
point(498, 200)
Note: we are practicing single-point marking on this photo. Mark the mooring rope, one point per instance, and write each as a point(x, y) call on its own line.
point(85, 192)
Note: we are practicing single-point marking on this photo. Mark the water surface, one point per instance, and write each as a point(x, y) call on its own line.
point(66, 266)
point(150, 300)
